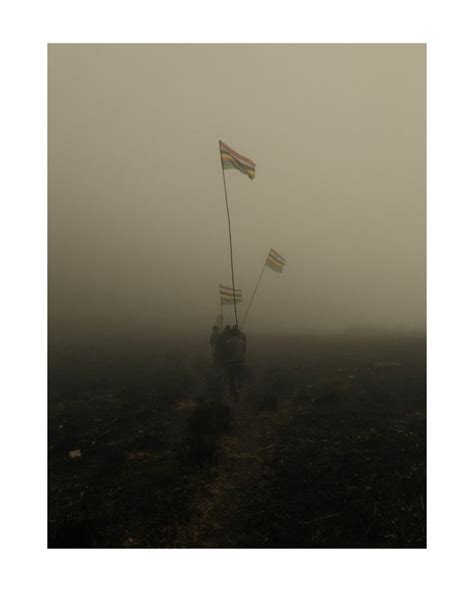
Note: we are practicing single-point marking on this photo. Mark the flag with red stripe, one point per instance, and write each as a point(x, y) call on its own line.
point(231, 159)
point(275, 261)
point(227, 295)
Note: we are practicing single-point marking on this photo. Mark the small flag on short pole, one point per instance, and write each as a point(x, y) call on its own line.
point(233, 160)
point(227, 295)
point(275, 261)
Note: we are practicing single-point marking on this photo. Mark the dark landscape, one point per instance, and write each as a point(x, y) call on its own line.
point(326, 448)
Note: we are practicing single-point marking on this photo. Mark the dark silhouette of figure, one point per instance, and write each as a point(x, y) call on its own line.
point(235, 328)
point(220, 345)
point(213, 339)
point(234, 349)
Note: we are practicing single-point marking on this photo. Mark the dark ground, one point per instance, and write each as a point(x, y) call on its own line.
point(325, 448)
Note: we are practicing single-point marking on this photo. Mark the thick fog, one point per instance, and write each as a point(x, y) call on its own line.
point(138, 235)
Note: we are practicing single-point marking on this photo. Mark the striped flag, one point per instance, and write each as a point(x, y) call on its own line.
point(275, 261)
point(233, 160)
point(227, 295)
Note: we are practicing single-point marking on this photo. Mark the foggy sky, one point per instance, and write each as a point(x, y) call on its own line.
point(137, 226)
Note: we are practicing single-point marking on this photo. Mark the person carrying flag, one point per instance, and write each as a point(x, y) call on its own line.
point(213, 338)
point(234, 350)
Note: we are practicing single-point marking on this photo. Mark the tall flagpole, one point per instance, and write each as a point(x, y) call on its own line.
point(230, 238)
point(253, 294)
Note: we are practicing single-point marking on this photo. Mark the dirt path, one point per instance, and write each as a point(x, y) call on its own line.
point(315, 455)
point(240, 470)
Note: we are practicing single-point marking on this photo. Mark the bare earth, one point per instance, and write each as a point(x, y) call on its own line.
point(326, 448)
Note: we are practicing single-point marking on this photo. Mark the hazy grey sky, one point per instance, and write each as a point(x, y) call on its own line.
point(137, 220)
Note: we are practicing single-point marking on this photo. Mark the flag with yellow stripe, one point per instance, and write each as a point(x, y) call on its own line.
point(275, 261)
point(227, 295)
point(231, 159)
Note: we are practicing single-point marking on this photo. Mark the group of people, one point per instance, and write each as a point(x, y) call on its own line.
point(228, 355)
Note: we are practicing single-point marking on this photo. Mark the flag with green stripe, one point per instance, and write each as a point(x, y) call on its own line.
point(275, 261)
point(227, 295)
point(231, 159)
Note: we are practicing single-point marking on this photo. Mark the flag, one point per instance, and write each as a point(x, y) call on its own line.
point(233, 160)
point(227, 295)
point(275, 261)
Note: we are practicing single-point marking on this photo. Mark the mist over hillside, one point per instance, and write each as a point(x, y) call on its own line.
point(137, 229)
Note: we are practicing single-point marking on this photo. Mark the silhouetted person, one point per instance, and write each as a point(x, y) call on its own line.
point(219, 347)
point(234, 360)
point(235, 328)
point(213, 338)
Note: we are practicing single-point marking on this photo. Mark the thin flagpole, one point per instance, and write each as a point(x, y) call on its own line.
point(230, 238)
point(253, 294)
